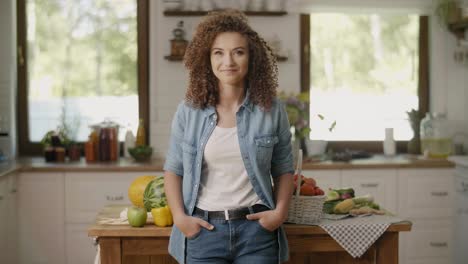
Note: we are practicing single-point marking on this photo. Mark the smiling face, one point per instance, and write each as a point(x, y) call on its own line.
point(230, 58)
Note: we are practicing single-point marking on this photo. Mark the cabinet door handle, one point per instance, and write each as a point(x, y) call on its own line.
point(114, 198)
point(438, 244)
point(13, 191)
point(1, 197)
point(439, 193)
point(369, 185)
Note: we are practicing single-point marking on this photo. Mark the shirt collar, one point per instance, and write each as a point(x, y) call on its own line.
point(247, 104)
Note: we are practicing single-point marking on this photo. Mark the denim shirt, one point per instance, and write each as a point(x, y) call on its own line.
point(265, 145)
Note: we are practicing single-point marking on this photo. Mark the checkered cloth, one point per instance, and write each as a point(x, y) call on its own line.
point(357, 234)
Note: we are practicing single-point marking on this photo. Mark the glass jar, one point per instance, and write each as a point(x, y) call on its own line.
point(436, 141)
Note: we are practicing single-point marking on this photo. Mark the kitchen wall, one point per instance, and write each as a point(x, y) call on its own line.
point(168, 80)
point(7, 77)
point(448, 83)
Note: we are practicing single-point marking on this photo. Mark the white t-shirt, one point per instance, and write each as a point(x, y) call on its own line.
point(224, 182)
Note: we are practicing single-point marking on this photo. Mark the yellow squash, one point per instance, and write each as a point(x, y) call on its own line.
point(162, 216)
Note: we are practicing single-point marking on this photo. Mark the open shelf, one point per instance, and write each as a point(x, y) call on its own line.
point(180, 58)
point(202, 13)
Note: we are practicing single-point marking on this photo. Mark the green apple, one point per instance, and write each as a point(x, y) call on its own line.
point(136, 216)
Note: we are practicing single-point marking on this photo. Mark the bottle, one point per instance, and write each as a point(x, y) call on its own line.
point(129, 141)
point(90, 155)
point(141, 135)
point(94, 136)
point(436, 141)
point(104, 144)
point(389, 146)
point(113, 144)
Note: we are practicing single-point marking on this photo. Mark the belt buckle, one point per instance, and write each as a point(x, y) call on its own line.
point(226, 215)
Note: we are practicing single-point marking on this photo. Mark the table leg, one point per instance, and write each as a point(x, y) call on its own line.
point(111, 252)
point(387, 248)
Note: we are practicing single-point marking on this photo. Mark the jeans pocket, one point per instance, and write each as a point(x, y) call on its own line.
point(263, 229)
point(197, 235)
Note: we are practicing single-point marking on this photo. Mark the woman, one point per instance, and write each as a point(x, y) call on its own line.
point(230, 138)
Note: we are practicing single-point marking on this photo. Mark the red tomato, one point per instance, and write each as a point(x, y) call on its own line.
point(310, 181)
point(319, 191)
point(308, 190)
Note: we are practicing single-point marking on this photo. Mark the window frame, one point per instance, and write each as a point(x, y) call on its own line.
point(25, 145)
point(423, 83)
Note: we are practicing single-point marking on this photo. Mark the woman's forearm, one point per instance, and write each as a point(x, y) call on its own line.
point(173, 190)
point(284, 187)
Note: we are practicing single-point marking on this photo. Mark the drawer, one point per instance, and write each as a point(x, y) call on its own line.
point(426, 193)
point(87, 193)
point(428, 239)
point(325, 178)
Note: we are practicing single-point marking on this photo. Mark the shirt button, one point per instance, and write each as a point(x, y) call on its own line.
point(211, 123)
point(268, 141)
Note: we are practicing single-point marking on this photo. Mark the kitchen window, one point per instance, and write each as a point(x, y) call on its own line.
point(364, 71)
point(80, 63)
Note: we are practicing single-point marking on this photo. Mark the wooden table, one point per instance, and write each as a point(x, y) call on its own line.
point(122, 244)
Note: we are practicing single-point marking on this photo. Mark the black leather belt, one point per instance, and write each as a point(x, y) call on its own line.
point(233, 214)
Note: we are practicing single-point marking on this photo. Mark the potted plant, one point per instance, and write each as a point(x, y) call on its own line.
point(53, 144)
point(297, 107)
point(69, 129)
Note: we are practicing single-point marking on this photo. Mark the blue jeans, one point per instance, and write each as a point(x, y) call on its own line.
point(233, 241)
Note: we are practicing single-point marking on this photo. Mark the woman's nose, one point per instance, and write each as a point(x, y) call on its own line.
point(228, 60)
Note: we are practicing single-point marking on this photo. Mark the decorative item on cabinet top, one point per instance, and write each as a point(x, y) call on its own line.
point(178, 43)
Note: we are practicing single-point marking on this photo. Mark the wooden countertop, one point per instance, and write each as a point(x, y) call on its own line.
point(150, 230)
point(37, 164)
point(380, 162)
point(125, 164)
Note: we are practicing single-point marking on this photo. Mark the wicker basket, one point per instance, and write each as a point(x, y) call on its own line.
point(305, 209)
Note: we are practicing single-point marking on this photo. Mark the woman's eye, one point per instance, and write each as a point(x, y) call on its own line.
point(217, 52)
point(239, 52)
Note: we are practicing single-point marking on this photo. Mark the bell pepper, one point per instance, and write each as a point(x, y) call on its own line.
point(162, 216)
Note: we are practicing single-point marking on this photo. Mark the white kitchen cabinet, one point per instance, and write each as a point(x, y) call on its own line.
point(41, 221)
point(426, 193)
point(380, 183)
point(325, 179)
point(425, 197)
point(11, 219)
point(430, 241)
point(3, 215)
point(79, 247)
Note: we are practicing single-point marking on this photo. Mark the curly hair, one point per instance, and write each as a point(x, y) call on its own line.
point(262, 75)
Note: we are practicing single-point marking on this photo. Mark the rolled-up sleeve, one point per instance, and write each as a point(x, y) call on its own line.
point(282, 160)
point(173, 161)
